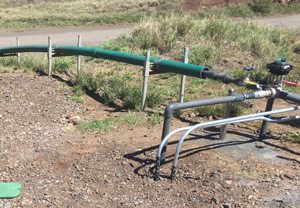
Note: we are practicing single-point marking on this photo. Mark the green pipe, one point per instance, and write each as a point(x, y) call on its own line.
point(23, 49)
point(160, 65)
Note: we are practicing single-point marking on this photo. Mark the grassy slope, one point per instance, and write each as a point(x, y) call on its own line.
point(19, 14)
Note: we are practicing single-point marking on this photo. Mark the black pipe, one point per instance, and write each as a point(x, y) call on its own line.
point(220, 77)
point(295, 98)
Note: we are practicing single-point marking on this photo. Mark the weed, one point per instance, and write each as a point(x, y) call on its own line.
point(293, 138)
point(120, 90)
point(162, 34)
point(77, 98)
point(155, 118)
point(132, 118)
point(97, 125)
point(17, 14)
point(297, 49)
point(213, 110)
point(86, 81)
point(4, 70)
point(211, 40)
point(217, 110)
point(261, 6)
point(31, 62)
point(107, 124)
point(62, 64)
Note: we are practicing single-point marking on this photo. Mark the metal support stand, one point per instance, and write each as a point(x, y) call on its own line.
point(183, 77)
point(49, 56)
point(227, 114)
point(18, 54)
point(145, 81)
point(265, 124)
point(78, 57)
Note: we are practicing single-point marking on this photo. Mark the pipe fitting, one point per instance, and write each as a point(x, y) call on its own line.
point(169, 109)
point(270, 93)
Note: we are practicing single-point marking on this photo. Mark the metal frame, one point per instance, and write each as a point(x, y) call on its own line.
point(189, 129)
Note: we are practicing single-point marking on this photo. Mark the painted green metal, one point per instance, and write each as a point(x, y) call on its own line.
point(23, 49)
point(9, 190)
point(160, 65)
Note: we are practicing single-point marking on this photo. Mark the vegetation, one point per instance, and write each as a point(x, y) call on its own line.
point(18, 14)
point(130, 119)
point(251, 8)
point(37, 63)
point(217, 111)
point(213, 42)
point(120, 90)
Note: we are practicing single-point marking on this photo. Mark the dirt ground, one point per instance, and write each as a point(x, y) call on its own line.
point(60, 166)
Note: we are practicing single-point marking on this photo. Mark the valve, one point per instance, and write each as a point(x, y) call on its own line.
point(247, 79)
point(279, 67)
point(248, 69)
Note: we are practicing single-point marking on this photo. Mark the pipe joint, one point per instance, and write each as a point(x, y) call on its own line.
point(169, 110)
point(270, 93)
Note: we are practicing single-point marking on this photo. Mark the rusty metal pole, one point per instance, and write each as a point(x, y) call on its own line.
point(227, 113)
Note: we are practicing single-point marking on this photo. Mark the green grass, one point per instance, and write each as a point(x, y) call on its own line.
point(250, 8)
point(107, 124)
point(123, 89)
point(293, 138)
point(212, 41)
point(217, 110)
point(21, 14)
point(28, 14)
point(155, 118)
point(37, 63)
point(77, 98)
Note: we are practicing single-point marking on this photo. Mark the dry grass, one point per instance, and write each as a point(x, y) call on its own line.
point(33, 13)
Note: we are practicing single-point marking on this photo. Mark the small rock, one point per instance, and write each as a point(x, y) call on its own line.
point(118, 175)
point(288, 176)
point(215, 200)
point(75, 120)
point(228, 182)
point(226, 205)
point(192, 115)
point(259, 146)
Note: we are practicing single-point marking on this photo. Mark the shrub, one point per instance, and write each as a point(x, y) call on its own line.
point(261, 6)
point(62, 65)
point(162, 34)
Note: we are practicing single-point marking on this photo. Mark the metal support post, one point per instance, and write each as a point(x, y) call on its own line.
point(49, 56)
point(145, 81)
point(227, 114)
point(183, 77)
point(265, 124)
point(78, 57)
point(18, 54)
